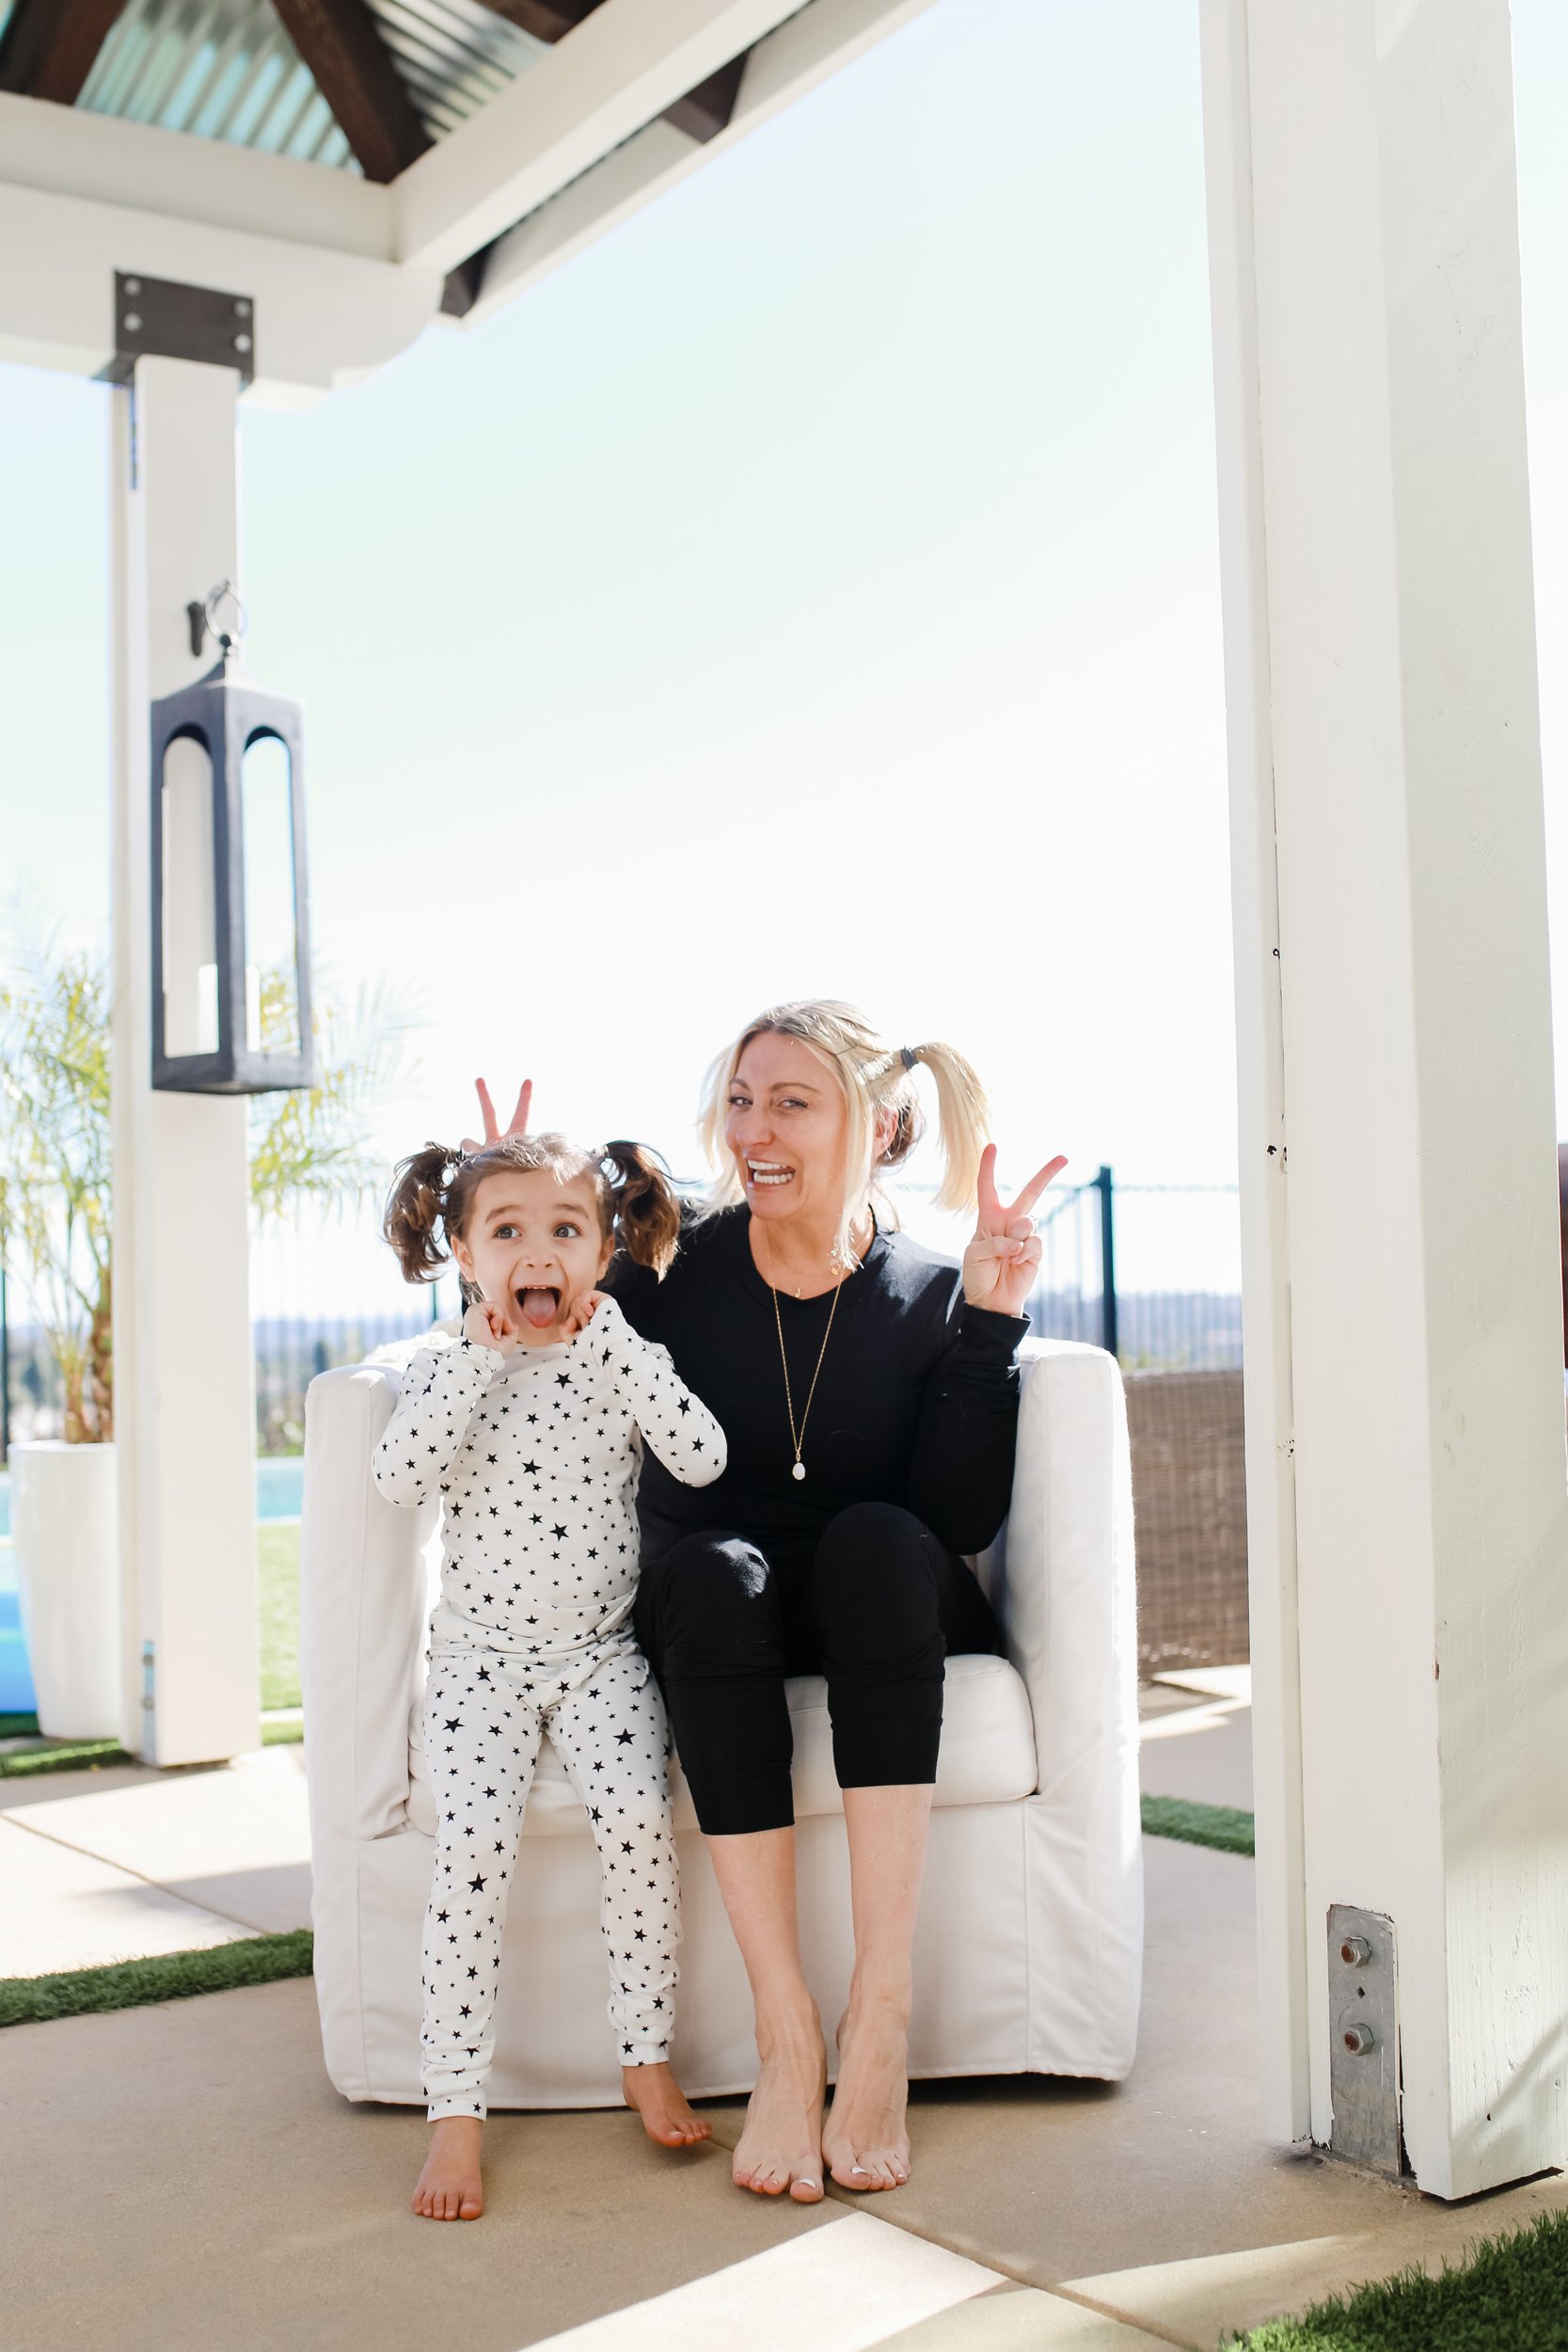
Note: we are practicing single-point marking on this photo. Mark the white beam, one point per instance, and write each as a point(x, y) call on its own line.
point(64, 150)
point(323, 319)
point(611, 76)
point(185, 1404)
point(1280, 1869)
point(804, 52)
point(1380, 657)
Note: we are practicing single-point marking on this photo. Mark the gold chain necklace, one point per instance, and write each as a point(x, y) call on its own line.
point(798, 1435)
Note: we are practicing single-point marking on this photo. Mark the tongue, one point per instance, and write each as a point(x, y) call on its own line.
point(540, 1307)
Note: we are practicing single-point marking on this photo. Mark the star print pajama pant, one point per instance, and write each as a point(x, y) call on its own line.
point(486, 1712)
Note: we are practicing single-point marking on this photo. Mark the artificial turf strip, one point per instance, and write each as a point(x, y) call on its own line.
point(166, 1977)
point(1225, 1827)
point(65, 1755)
point(1508, 2293)
point(82, 1755)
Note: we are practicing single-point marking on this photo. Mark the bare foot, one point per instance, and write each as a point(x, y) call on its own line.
point(781, 2147)
point(658, 2099)
point(449, 2187)
point(864, 2142)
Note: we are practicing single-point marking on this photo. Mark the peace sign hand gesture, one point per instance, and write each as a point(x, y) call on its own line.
point(518, 1125)
point(1004, 1258)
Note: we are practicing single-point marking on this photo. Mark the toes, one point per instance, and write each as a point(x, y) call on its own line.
point(806, 2189)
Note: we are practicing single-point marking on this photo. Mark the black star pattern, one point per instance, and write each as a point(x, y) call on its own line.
point(555, 1650)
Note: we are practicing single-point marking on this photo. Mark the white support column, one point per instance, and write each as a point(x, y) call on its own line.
point(1405, 1445)
point(185, 1399)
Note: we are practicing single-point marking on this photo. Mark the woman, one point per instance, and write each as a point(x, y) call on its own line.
point(869, 1395)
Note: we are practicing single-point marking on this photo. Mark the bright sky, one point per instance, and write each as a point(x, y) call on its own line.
point(811, 589)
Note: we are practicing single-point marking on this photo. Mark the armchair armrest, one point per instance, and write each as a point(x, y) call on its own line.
point(1061, 1572)
point(366, 1573)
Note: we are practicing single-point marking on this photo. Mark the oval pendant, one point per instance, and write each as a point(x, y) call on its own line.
point(798, 1472)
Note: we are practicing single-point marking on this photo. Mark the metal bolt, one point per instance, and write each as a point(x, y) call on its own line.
point(1359, 2040)
point(133, 285)
point(1355, 1951)
point(242, 342)
point(242, 309)
point(133, 322)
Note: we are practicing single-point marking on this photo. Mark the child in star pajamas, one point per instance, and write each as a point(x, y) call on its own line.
point(530, 1427)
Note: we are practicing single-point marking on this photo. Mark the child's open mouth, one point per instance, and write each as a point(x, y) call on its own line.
point(540, 1307)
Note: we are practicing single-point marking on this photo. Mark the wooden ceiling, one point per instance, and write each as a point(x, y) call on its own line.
point(50, 46)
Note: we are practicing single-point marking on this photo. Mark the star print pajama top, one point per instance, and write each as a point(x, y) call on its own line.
point(537, 1456)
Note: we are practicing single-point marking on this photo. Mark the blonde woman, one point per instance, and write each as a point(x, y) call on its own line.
point(869, 1395)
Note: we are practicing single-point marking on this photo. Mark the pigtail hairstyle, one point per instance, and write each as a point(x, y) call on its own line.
point(643, 1203)
point(963, 1118)
point(416, 1206)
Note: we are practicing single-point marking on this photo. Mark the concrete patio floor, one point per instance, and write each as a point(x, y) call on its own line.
point(183, 2176)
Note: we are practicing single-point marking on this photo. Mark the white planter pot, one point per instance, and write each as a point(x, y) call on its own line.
point(64, 1524)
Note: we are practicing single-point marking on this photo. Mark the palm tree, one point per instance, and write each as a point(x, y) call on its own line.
point(55, 1197)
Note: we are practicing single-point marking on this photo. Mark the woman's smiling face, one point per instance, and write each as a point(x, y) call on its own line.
point(533, 1246)
point(788, 1123)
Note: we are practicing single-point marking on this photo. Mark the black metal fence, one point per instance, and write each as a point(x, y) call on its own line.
point(1099, 1238)
point(328, 1291)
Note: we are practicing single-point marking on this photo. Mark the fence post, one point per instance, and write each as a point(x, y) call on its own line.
point(1104, 1184)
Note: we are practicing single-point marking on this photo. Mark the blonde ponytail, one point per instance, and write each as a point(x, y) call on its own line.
point(963, 1122)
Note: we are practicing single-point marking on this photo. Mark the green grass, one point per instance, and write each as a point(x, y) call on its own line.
point(1508, 2293)
point(18, 1726)
point(84, 1755)
point(166, 1976)
point(1225, 1827)
point(64, 1756)
point(277, 1553)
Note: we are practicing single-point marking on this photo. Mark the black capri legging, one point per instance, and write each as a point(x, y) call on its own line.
point(874, 1602)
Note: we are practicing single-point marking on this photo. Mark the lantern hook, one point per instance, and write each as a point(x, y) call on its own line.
point(203, 619)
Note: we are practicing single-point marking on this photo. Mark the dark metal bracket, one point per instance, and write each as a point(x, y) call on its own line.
point(156, 317)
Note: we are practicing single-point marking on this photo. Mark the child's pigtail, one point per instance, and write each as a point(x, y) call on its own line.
point(415, 1207)
point(646, 1208)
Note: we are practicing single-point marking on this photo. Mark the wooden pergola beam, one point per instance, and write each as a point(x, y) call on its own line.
point(339, 42)
point(50, 46)
point(546, 20)
point(702, 113)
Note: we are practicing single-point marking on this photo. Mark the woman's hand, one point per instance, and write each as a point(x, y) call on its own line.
point(1004, 1258)
point(580, 1313)
point(519, 1125)
point(485, 1326)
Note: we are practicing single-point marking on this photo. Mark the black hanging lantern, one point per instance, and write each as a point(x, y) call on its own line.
point(231, 903)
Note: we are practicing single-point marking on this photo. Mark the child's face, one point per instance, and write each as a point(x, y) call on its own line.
point(533, 1248)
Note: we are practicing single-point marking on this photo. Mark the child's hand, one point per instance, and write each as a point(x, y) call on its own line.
point(485, 1326)
point(581, 1313)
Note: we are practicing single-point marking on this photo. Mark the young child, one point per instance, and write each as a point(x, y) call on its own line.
point(529, 1426)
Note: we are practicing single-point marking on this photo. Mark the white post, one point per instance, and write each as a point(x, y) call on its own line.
point(1408, 1439)
point(1265, 1231)
point(184, 1401)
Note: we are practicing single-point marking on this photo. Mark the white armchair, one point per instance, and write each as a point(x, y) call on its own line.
point(1028, 1953)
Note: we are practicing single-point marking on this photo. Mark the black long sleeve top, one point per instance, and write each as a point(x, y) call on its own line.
point(917, 1403)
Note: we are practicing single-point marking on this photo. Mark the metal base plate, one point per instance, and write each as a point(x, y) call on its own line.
point(1364, 2051)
